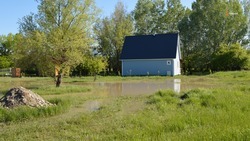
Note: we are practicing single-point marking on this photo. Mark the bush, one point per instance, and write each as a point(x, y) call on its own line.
point(233, 57)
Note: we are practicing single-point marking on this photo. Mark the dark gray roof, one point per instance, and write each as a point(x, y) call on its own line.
point(157, 46)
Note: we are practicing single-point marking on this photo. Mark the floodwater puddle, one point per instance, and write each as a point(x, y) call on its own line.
point(135, 88)
point(127, 89)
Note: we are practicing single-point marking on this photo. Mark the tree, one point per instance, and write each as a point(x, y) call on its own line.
point(246, 7)
point(110, 33)
point(28, 24)
point(92, 64)
point(104, 34)
point(172, 16)
point(210, 24)
point(156, 16)
point(6, 43)
point(63, 29)
point(143, 16)
point(6, 49)
point(95, 64)
point(31, 55)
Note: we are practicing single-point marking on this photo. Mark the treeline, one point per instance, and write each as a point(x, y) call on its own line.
point(68, 36)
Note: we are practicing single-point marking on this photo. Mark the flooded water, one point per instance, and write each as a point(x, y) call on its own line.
point(136, 88)
point(128, 89)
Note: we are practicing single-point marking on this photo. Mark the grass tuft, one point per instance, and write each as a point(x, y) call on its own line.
point(167, 96)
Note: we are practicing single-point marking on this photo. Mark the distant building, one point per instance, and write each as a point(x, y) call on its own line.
point(151, 55)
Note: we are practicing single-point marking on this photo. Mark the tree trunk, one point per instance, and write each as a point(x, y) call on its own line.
point(95, 76)
point(58, 80)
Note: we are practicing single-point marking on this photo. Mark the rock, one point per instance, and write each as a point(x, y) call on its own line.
point(22, 97)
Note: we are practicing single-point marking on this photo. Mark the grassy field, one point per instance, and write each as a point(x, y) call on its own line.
point(210, 107)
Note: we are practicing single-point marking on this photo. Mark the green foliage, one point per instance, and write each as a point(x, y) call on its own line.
point(156, 16)
point(144, 18)
point(246, 8)
point(6, 44)
point(232, 57)
point(202, 36)
point(172, 16)
point(28, 24)
point(111, 33)
point(32, 55)
point(6, 49)
point(58, 35)
point(92, 65)
point(5, 62)
point(95, 65)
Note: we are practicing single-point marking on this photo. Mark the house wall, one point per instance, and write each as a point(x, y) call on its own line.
point(177, 64)
point(148, 67)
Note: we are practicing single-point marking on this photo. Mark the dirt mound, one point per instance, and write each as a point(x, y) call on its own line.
point(22, 97)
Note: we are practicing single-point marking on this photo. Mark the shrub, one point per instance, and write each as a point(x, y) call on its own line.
point(232, 57)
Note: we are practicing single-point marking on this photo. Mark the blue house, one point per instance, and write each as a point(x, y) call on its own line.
point(151, 55)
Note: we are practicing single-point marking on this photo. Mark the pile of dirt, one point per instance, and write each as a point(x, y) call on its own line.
point(22, 97)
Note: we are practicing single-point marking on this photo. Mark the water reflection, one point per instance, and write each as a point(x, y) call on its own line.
point(137, 88)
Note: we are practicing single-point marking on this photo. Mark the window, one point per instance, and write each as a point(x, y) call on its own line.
point(168, 62)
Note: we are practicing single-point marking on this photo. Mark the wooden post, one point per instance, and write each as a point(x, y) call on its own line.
point(16, 72)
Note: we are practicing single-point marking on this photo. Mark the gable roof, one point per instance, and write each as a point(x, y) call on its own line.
point(157, 46)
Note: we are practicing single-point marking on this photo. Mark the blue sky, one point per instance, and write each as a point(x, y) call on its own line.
point(13, 10)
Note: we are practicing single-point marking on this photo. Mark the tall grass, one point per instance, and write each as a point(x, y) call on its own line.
point(25, 113)
point(220, 112)
point(203, 115)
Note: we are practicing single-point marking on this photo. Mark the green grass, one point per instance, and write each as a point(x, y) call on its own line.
point(28, 113)
point(216, 107)
point(52, 90)
point(205, 115)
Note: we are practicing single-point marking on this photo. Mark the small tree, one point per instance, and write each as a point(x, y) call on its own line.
point(5, 62)
point(62, 28)
point(95, 65)
point(232, 57)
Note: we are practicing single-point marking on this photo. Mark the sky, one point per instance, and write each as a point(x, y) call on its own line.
point(11, 11)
